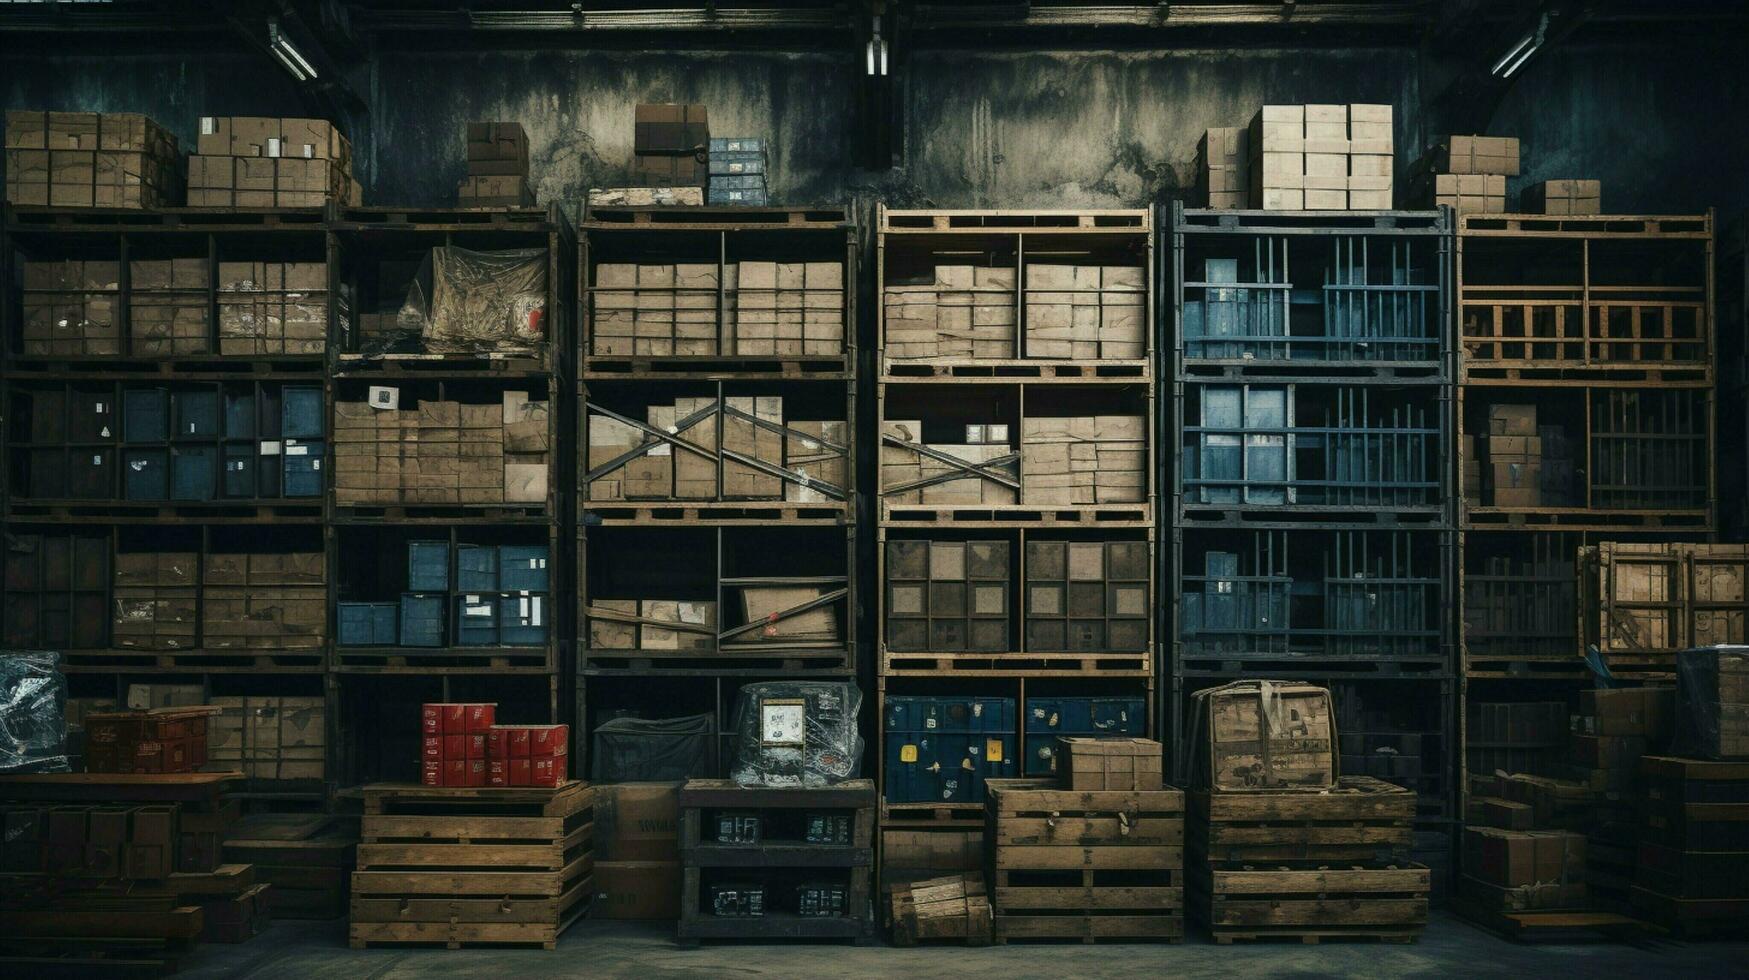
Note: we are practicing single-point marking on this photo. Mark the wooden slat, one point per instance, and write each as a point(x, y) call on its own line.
point(550, 856)
point(1089, 927)
point(1319, 881)
point(377, 827)
point(1052, 857)
point(1076, 831)
point(479, 883)
point(1097, 897)
point(1316, 912)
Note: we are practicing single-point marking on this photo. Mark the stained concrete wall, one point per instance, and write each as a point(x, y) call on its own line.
point(1659, 124)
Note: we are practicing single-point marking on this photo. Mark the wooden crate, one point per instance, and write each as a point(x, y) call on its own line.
point(1641, 604)
point(1370, 900)
point(1085, 865)
point(956, 907)
point(1361, 819)
point(472, 866)
point(1246, 744)
point(1694, 846)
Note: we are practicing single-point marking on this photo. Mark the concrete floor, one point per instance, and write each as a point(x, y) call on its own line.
point(1450, 948)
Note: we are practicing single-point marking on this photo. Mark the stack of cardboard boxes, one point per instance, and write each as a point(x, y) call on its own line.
point(768, 308)
point(265, 162)
point(1084, 460)
point(156, 606)
point(69, 308)
point(1515, 457)
point(737, 172)
point(1085, 312)
point(1614, 729)
point(497, 167)
point(986, 449)
point(787, 308)
point(753, 428)
point(637, 851)
point(167, 307)
point(966, 312)
point(264, 602)
point(273, 308)
point(1223, 167)
point(651, 624)
point(441, 452)
point(1564, 196)
point(670, 145)
point(1321, 157)
point(779, 609)
point(90, 159)
point(273, 738)
point(1467, 174)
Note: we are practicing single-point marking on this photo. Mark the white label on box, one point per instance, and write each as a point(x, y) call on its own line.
point(270, 447)
point(478, 610)
point(780, 723)
point(316, 464)
point(209, 126)
point(273, 146)
point(385, 397)
point(472, 600)
point(291, 450)
point(663, 450)
point(104, 432)
point(100, 408)
point(97, 460)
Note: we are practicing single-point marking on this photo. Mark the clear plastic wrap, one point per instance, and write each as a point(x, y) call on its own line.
point(463, 300)
point(33, 702)
point(1711, 720)
point(796, 733)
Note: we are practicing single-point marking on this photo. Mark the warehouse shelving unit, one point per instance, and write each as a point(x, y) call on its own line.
point(651, 345)
point(1604, 324)
point(68, 543)
point(1033, 343)
point(1313, 528)
point(376, 690)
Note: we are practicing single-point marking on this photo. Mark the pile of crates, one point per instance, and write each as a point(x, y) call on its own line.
point(499, 596)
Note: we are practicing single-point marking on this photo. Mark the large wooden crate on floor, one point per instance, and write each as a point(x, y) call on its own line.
point(1089, 866)
point(1692, 869)
point(769, 852)
point(306, 857)
point(956, 908)
point(472, 866)
point(1307, 865)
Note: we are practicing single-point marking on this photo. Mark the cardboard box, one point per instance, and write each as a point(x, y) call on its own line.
point(1647, 713)
point(1102, 764)
point(636, 890)
point(671, 128)
point(1248, 745)
point(1223, 167)
point(1565, 196)
point(1477, 155)
point(1512, 420)
point(638, 822)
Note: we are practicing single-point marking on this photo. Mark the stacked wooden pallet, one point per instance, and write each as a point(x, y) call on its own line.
point(955, 907)
point(1095, 866)
point(472, 866)
point(1307, 864)
point(1692, 873)
point(306, 857)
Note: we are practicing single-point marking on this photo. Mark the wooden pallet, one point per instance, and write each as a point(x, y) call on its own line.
point(435, 660)
point(418, 513)
point(996, 369)
point(498, 364)
point(1210, 369)
point(963, 664)
point(1588, 225)
point(1694, 917)
point(302, 510)
point(1561, 927)
point(728, 512)
point(715, 218)
point(1304, 900)
point(1580, 519)
point(648, 367)
point(451, 219)
point(1090, 927)
point(1015, 219)
point(194, 661)
point(1475, 372)
point(203, 367)
point(1360, 819)
point(1009, 515)
point(968, 816)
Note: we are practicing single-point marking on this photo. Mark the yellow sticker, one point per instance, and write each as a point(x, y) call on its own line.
point(993, 749)
point(907, 753)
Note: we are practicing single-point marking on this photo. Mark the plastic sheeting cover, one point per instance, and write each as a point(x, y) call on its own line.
point(796, 733)
point(33, 700)
point(1701, 728)
point(652, 750)
point(463, 300)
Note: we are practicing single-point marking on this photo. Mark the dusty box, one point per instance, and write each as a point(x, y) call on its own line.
point(1120, 764)
point(1646, 712)
point(1266, 736)
point(1713, 710)
point(1565, 196)
point(770, 604)
point(670, 128)
point(1223, 167)
point(1477, 155)
point(638, 822)
point(636, 890)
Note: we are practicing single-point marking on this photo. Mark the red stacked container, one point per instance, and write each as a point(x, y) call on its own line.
point(527, 755)
point(454, 739)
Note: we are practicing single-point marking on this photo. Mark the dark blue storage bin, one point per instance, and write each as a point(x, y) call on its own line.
point(145, 474)
point(145, 415)
point(476, 568)
point(428, 566)
point(476, 620)
point(1047, 719)
point(194, 473)
point(421, 620)
point(197, 414)
point(240, 414)
point(240, 471)
point(301, 413)
point(940, 750)
point(303, 469)
point(522, 568)
point(367, 624)
point(522, 620)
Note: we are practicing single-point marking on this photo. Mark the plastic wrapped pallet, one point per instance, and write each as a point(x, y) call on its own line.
point(796, 733)
point(1712, 702)
point(33, 697)
point(463, 300)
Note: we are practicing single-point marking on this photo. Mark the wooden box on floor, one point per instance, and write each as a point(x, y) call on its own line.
point(1692, 872)
point(306, 857)
point(953, 908)
point(776, 860)
point(1085, 865)
point(1307, 865)
point(469, 866)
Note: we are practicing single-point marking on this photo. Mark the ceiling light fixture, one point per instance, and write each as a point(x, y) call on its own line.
point(289, 56)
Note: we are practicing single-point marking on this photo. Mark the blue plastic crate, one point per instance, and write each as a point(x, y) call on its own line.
point(300, 412)
point(197, 414)
point(735, 163)
point(421, 620)
point(476, 620)
point(303, 470)
point(367, 624)
point(740, 198)
point(194, 473)
point(523, 568)
point(241, 471)
point(145, 415)
point(476, 568)
point(737, 144)
point(428, 566)
point(738, 182)
point(239, 414)
point(940, 750)
point(145, 474)
point(523, 620)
